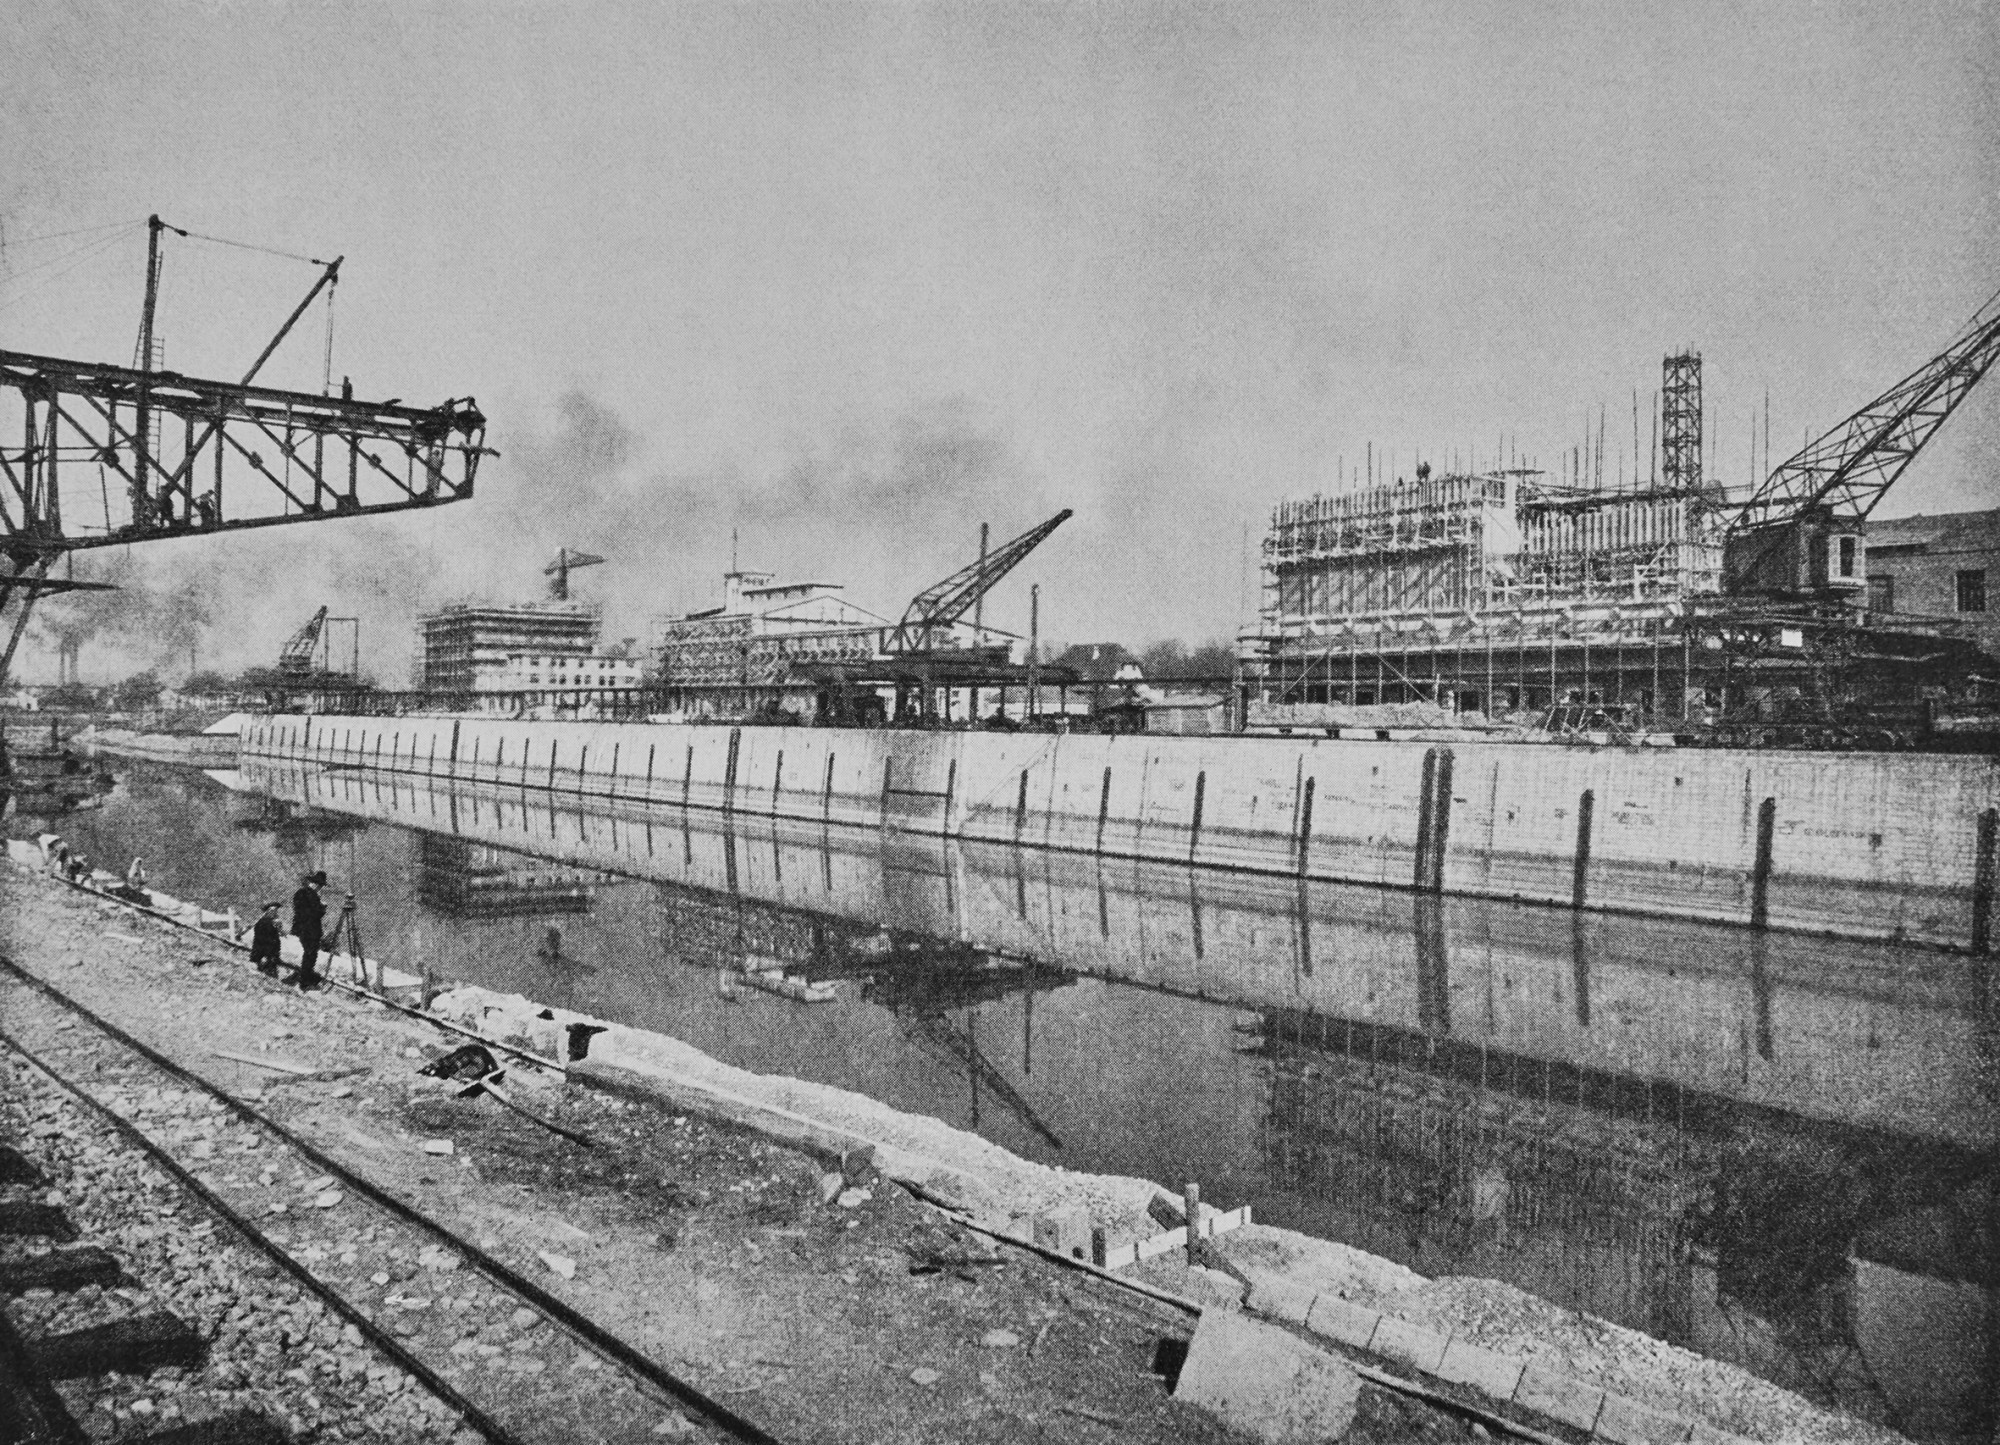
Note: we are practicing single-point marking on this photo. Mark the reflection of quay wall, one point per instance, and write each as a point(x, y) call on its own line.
point(1836, 1031)
point(1864, 845)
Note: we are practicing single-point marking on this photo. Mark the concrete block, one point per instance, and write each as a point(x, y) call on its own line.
point(1343, 1320)
point(1212, 1289)
point(1412, 1345)
point(1563, 1398)
point(1484, 1370)
point(1065, 1231)
point(1624, 1421)
point(1267, 1383)
point(1281, 1298)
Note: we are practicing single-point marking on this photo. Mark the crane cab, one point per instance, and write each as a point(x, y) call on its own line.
point(1815, 554)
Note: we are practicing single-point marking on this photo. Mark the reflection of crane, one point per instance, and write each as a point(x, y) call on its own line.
point(1800, 532)
point(295, 662)
point(933, 611)
point(937, 1031)
point(558, 571)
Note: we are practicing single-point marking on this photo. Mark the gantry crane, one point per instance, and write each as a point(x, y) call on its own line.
point(1799, 534)
point(241, 456)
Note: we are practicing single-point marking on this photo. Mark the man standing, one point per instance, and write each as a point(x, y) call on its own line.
point(308, 923)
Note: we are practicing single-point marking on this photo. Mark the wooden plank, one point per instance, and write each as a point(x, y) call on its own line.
point(17, 1168)
point(282, 1066)
point(61, 1269)
point(135, 1345)
point(239, 1427)
point(42, 1219)
point(1221, 1222)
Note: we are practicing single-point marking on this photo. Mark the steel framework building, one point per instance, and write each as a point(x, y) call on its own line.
point(1507, 592)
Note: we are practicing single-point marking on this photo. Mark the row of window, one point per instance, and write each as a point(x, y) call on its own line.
point(1970, 592)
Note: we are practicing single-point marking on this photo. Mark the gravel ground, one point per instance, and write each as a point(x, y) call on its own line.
point(272, 1347)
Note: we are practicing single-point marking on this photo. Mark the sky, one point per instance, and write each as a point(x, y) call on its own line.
point(831, 284)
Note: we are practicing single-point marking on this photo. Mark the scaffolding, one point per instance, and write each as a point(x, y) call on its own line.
point(1509, 592)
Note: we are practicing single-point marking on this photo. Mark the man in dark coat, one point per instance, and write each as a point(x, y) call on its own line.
point(264, 940)
point(308, 923)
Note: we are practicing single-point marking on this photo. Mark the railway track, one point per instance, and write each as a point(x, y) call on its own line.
point(484, 1352)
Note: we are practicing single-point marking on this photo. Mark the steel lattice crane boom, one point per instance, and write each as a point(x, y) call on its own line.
point(96, 455)
point(296, 660)
point(1800, 532)
point(939, 606)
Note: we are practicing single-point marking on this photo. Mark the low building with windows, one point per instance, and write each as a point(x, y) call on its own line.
point(1944, 566)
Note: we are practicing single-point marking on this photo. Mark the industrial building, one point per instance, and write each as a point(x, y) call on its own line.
point(1509, 592)
point(523, 654)
point(1940, 566)
point(753, 653)
point(799, 651)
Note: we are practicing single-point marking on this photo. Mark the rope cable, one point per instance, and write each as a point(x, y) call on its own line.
point(79, 231)
point(246, 246)
point(88, 251)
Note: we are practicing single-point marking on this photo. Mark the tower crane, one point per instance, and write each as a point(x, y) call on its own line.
point(1800, 534)
point(558, 571)
point(938, 607)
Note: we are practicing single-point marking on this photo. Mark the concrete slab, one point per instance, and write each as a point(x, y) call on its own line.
point(1624, 1421)
point(1266, 1382)
point(1707, 1434)
point(1561, 1397)
point(1065, 1231)
point(1281, 1298)
point(1487, 1371)
point(1343, 1320)
point(1212, 1289)
point(1412, 1345)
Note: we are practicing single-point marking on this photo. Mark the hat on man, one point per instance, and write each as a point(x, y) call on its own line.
point(315, 877)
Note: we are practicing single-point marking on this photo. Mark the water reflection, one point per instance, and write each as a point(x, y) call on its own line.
point(1774, 1149)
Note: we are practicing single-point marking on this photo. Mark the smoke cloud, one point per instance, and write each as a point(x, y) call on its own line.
point(886, 505)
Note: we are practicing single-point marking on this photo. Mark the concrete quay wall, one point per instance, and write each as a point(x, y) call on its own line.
point(1864, 845)
point(1839, 1031)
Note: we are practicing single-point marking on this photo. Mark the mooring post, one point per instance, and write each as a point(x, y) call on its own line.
point(1191, 1206)
point(1982, 882)
point(1760, 873)
point(1100, 1245)
point(1579, 884)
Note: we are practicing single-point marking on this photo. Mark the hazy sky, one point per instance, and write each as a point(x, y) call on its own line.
point(852, 278)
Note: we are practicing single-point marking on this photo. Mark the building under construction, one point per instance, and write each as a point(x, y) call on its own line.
point(1510, 592)
point(800, 651)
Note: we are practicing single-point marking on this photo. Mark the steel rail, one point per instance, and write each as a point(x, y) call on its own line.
point(475, 1416)
point(579, 1325)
